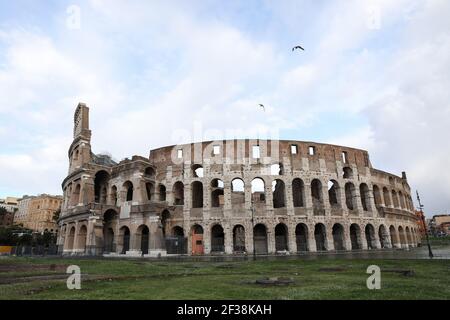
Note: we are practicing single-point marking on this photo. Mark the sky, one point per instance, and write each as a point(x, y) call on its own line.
point(374, 75)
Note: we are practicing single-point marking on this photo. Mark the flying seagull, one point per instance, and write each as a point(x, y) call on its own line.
point(262, 106)
point(297, 47)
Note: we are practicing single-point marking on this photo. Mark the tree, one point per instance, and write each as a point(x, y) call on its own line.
point(56, 214)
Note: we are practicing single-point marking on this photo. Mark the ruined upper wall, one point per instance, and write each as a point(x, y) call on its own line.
point(325, 156)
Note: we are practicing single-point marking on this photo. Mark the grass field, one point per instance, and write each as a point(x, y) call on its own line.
point(45, 278)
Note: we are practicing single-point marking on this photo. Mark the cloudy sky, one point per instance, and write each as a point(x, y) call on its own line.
point(374, 75)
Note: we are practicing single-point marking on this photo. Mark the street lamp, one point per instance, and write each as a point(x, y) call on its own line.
point(430, 253)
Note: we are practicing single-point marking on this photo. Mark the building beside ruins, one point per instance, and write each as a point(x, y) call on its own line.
point(8, 207)
point(37, 212)
point(231, 196)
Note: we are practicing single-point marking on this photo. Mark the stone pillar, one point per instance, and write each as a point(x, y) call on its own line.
point(311, 240)
point(363, 239)
point(347, 239)
point(271, 239)
point(357, 202)
point(75, 238)
point(326, 199)
point(157, 246)
point(228, 234)
point(308, 200)
point(249, 239)
point(330, 239)
point(372, 207)
point(207, 238)
point(292, 239)
point(289, 198)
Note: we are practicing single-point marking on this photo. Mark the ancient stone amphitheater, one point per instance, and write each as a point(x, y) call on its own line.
point(231, 197)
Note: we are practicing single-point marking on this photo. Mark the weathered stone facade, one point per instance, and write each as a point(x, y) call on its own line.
point(231, 196)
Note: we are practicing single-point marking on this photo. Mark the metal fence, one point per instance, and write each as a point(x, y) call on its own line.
point(34, 251)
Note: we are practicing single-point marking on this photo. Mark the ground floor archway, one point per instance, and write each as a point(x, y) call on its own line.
point(301, 237)
point(281, 237)
point(239, 238)
point(260, 239)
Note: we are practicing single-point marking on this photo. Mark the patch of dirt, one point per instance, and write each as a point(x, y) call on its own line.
point(332, 269)
point(273, 281)
point(403, 272)
point(32, 267)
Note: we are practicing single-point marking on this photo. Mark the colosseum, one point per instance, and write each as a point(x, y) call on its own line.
point(230, 197)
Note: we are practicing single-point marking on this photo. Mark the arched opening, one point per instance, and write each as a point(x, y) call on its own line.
point(321, 236)
point(197, 239)
point(260, 239)
point(281, 237)
point(278, 190)
point(238, 238)
point(197, 171)
point(197, 194)
point(149, 172)
point(109, 222)
point(176, 243)
point(393, 234)
point(217, 239)
point(237, 193)
point(370, 236)
point(70, 238)
point(143, 234)
point(150, 189)
point(377, 196)
point(317, 198)
point(114, 195)
point(124, 237)
point(355, 237)
point(162, 192)
point(394, 199)
point(128, 187)
point(217, 199)
point(258, 193)
point(301, 237)
point(177, 231)
point(178, 193)
point(384, 236)
point(338, 237)
point(82, 236)
point(100, 186)
point(365, 196)
point(298, 192)
point(334, 193)
point(108, 236)
point(350, 195)
point(347, 173)
point(387, 198)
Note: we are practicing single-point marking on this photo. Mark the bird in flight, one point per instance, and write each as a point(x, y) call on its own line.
point(297, 47)
point(262, 106)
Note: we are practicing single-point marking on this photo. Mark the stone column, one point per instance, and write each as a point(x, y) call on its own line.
point(289, 198)
point(271, 239)
point(308, 200)
point(228, 234)
point(207, 238)
point(311, 240)
point(347, 239)
point(292, 239)
point(363, 239)
point(325, 199)
point(330, 239)
point(157, 246)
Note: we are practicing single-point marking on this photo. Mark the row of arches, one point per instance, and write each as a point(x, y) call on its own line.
point(307, 238)
point(349, 196)
point(392, 198)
